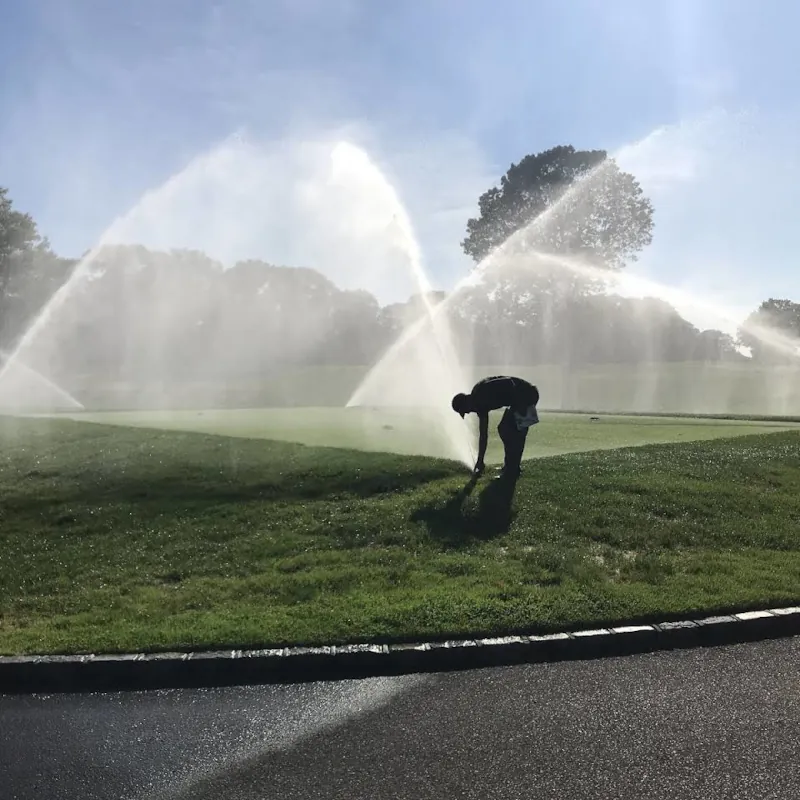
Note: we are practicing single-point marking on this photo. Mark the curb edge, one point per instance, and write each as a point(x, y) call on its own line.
point(140, 671)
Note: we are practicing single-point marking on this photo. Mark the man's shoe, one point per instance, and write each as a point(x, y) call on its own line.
point(505, 474)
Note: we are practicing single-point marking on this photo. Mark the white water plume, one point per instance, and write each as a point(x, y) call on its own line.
point(146, 327)
point(25, 389)
point(435, 373)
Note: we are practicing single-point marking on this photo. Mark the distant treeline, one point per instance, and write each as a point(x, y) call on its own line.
point(164, 316)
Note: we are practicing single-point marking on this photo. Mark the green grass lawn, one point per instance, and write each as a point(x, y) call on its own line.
point(118, 539)
point(414, 431)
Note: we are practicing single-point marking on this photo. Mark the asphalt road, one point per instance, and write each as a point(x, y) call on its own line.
point(716, 723)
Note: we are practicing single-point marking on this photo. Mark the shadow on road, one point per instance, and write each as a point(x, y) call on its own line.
point(463, 518)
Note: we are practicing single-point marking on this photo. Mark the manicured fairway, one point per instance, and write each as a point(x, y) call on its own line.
point(418, 431)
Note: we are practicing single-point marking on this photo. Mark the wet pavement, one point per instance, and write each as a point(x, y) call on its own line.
point(710, 723)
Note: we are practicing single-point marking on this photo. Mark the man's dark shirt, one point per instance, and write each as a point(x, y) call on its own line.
point(501, 391)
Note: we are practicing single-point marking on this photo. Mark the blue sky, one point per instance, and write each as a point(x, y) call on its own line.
point(104, 102)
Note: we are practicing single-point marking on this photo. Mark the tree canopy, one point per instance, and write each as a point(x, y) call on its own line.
point(29, 270)
point(594, 209)
point(18, 231)
point(18, 236)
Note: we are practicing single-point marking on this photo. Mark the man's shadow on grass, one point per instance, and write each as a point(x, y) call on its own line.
point(460, 521)
point(194, 487)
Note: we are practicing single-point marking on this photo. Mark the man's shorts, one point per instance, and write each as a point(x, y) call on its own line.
point(526, 420)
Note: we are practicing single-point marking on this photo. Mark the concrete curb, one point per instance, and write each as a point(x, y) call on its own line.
point(138, 671)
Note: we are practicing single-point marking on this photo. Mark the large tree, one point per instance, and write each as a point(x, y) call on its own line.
point(18, 235)
point(18, 231)
point(29, 271)
point(553, 214)
point(570, 202)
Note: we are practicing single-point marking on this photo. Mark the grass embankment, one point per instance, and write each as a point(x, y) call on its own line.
point(115, 539)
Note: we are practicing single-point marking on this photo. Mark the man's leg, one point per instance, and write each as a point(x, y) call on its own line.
point(513, 443)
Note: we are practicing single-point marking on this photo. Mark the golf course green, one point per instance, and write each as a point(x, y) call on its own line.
point(414, 431)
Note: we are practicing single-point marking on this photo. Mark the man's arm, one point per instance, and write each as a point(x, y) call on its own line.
point(483, 439)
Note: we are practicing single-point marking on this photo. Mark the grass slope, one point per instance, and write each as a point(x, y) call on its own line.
point(115, 539)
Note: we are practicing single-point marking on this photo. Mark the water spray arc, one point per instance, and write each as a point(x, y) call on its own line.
point(352, 213)
point(438, 374)
point(68, 402)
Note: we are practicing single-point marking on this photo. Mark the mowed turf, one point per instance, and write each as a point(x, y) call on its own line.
point(119, 539)
point(420, 431)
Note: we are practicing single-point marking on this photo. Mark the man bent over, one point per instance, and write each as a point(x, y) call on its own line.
point(520, 399)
